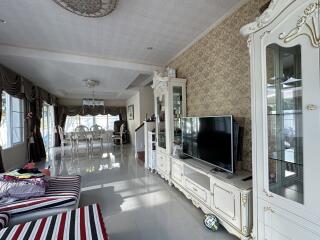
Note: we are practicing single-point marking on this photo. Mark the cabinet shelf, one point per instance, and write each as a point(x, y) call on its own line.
point(283, 114)
point(285, 161)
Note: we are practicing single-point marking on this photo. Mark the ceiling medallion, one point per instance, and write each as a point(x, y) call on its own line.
point(91, 83)
point(89, 8)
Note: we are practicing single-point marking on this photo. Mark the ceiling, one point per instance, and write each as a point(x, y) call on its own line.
point(57, 49)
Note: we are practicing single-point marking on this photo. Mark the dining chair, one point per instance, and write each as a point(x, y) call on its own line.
point(120, 135)
point(62, 139)
point(108, 136)
point(96, 134)
point(81, 134)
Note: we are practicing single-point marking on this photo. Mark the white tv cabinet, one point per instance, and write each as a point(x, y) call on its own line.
point(228, 197)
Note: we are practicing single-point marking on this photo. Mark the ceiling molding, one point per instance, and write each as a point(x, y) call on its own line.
point(212, 26)
point(8, 50)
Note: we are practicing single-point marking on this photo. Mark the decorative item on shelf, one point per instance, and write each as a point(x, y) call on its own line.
point(177, 149)
point(131, 112)
point(168, 72)
point(211, 222)
point(92, 8)
point(171, 72)
point(152, 118)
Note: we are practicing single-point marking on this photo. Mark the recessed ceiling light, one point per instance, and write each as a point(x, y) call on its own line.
point(149, 48)
point(3, 21)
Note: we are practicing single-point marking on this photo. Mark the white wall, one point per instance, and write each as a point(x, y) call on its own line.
point(133, 124)
point(143, 104)
point(14, 157)
point(146, 102)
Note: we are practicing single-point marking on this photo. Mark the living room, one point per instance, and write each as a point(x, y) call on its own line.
point(159, 120)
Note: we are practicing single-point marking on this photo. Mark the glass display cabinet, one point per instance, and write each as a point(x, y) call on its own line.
point(284, 48)
point(161, 122)
point(284, 116)
point(170, 107)
point(177, 108)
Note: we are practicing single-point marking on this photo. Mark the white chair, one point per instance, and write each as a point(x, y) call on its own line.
point(96, 134)
point(81, 134)
point(107, 136)
point(62, 139)
point(120, 135)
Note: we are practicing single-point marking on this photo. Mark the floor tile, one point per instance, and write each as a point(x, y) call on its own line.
point(136, 204)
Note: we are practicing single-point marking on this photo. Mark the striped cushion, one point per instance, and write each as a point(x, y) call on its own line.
point(82, 223)
point(4, 220)
point(62, 192)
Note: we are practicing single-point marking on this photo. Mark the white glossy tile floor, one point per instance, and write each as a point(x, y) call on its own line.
point(136, 203)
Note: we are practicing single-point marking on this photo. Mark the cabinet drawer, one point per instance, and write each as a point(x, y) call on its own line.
point(196, 190)
point(163, 163)
point(283, 225)
point(177, 171)
point(226, 202)
point(160, 162)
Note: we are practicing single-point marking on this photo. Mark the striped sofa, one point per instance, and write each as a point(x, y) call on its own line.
point(62, 194)
point(83, 223)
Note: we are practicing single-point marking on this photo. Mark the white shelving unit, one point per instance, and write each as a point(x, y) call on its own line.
point(170, 106)
point(285, 71)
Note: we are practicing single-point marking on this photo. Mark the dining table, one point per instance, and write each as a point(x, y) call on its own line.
point(89, 136)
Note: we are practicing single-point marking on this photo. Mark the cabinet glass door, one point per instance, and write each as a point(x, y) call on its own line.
point(177, 113)
point(284, 117)
point(161, 121)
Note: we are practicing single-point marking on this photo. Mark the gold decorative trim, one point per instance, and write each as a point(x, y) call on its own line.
point(244, 200)
point(245, 230)
point(264, 34)
point(267, 193)
point(306, 21)
point(268, 209)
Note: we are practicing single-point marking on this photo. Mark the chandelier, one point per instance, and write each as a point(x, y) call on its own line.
point(92, 102)
point(88, 8)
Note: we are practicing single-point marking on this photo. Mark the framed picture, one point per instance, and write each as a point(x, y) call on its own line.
point(131, 112)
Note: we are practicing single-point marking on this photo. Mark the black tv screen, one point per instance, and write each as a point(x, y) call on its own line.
point(209, 139)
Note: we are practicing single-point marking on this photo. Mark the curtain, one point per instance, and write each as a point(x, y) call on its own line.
point(89, 110)
point(20, 87)
point(26, 89)
point(37, 149)
point(122, 111)
point(12, 85)
point(10, 81)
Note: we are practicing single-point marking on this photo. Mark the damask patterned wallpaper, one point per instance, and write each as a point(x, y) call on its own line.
point(217, 69)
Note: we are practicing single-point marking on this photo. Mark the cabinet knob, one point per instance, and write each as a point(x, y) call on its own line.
point(312, 107)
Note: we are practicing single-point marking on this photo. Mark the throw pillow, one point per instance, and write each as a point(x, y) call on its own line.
point(26, 191)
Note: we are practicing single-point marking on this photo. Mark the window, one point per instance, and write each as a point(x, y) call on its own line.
point(102, 120)
point(86, 120)
point(12, 125)
point(105, 121)
point(111, 120)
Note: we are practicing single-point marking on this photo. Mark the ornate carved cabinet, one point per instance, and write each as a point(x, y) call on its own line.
point(170, 106)
point(284, 45)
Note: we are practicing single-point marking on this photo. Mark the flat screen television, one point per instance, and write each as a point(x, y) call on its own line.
point(210, 139)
